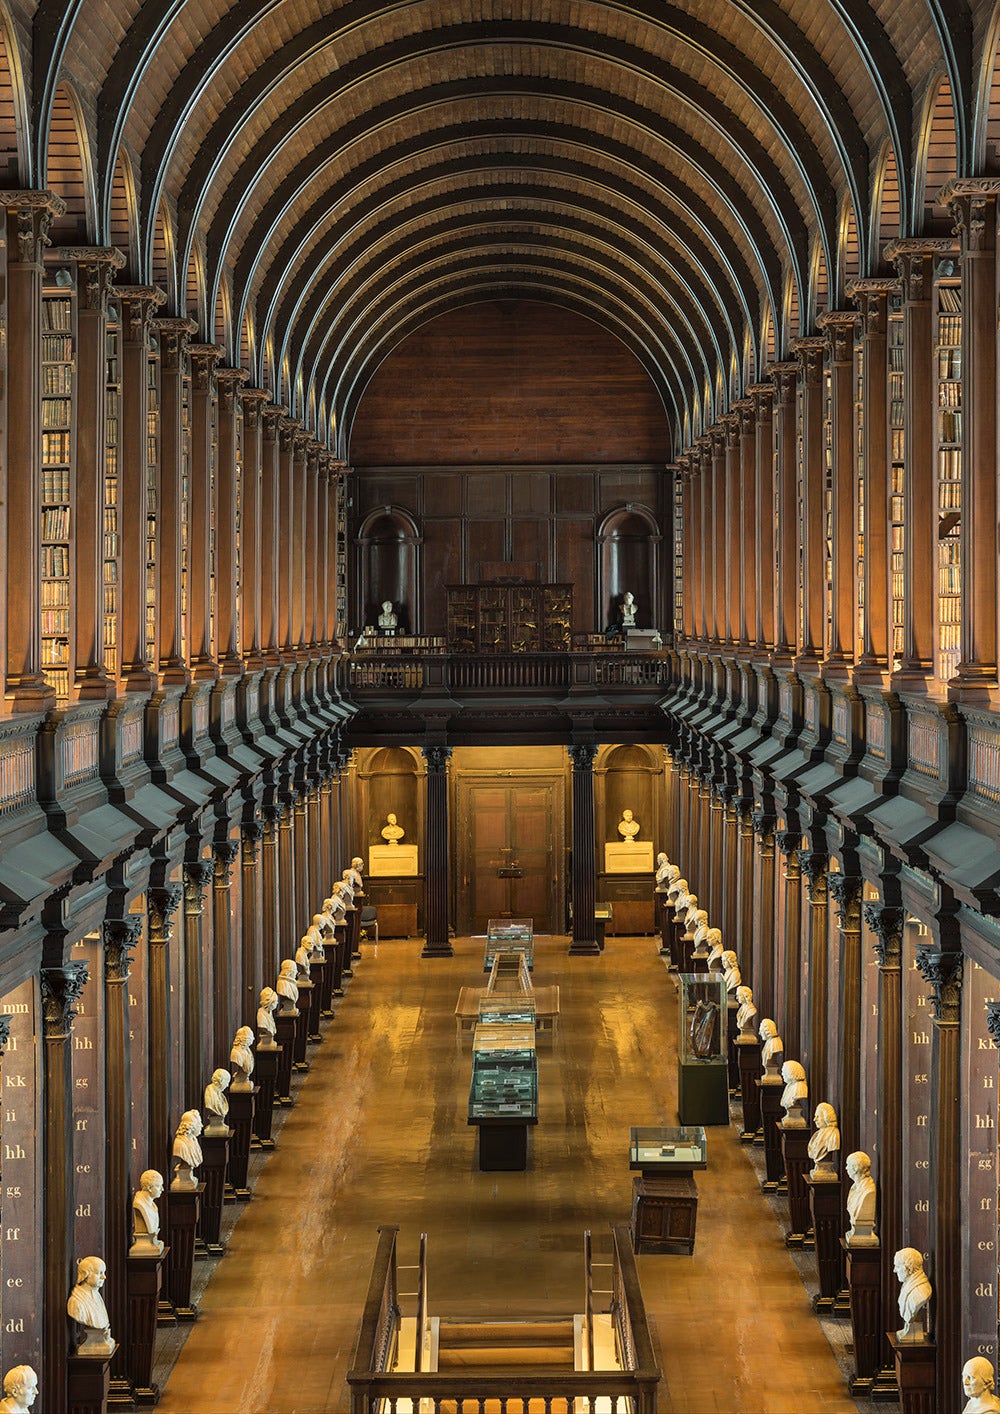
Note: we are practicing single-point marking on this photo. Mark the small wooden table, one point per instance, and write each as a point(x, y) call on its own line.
point(664, 1193)
point(546, 1001)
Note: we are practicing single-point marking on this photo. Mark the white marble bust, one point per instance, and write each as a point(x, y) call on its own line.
point(824, 1143)
point(338, 903)
point(628, 826)
point(794, 1095)
point(391, 831)
point(746, 1015)
point(187, 1152)
point(731, 969)
point(387, 618)
point(356, 875)
point(628, 609)
point(86, 1307)
point(679, 891)
point(266, 1029)
point(772, 1046)
point(20, 1388)
point(216, 1103)
point(716, 952)
point(347, 888)
point(303, 959)
point(286, 986)
point(146, 1216)
point(662, 869)
point(978, 1382)
point(241, 1059)
point(861, 1201)
point(316, 933)
point(914, 1294)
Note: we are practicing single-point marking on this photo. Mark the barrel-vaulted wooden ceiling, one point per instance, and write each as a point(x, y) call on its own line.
point(313, 179)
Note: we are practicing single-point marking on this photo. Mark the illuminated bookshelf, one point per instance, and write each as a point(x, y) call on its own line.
point(859, 497)
point(948, 357)
point(112, 529)
point(897, 476)
point(152, 482)
point(57, 460)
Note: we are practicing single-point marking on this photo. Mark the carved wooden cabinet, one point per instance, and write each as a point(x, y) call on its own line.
point(509, 618)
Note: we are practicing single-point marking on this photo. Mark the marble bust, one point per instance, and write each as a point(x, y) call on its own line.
point(679, 889)
point(861, 1201)
point(86, 1307)
point(315, 933)
point(336, 905)
point(772, 1047)
point(354, 874)
point(391, 832)
point(628, 609)
point(978, 1382)
point(387, 618)
point(731, 969)
point(187, 1151)
point(824, 1142)
point(20, 1388)
point(347, 885)
point(716, 952)
point(266, 1029)
point(302, 958)
point(914, 1293)
point(746, 1013)
point(216, 1104)
point(662, 869)
point(286, 986)
point(628, 826)
point(794, 1095)
point(241, 1059)
point(146, 1216)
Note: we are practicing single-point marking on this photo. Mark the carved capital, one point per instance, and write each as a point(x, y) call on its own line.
point(784, 376)
point(173, 335)
point(886, 922)
point(287, 429)
point(914, 258)
point(162, 906)
point(810, 353)
point(204, 358)
point(845, 890)
point(229, 382)
point(582, 756)
point(61, 989)
point(993, 1022)
point(973, 203)
point(762, 395)
point(95, 270)
point(814, 864)
point(251, 834)
point(121, 936)
point(841, 326)
point(224, 857)
point(197, 876)
point(253, 401)
point(4, 1033)
point(29, 216)
point(788, 841)
point(138, 303)
point(872, 298)
point(942, 971)
point(271, 416)
point(437, 757)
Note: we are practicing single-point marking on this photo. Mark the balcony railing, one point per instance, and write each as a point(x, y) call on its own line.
point(382, 671)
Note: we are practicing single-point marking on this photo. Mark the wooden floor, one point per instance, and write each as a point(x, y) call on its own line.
point(379, 1135)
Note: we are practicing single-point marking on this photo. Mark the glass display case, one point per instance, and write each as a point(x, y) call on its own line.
point(702, 1061)
point(658, 1150)
point(509, 935)
point(503, 1095)
point(507, 1007)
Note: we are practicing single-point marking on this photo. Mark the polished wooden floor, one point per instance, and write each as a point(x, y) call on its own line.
point(379, 1135)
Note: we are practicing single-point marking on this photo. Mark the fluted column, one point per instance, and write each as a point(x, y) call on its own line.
point(872, 297)
point(732, 568)
point(584, 883)
point(251, 895)
point(942, 971)
point(716, 581)
point(973, 202)
point(786, 579)
point(28, 216)
point(763, 934)
point(197, 876)
point(225, 980)
point(817, 973)
point(436, 852)
point(812, 527)
point(703, 530)
point(270, 913)
point(839, 326)
point(287, 428)
point(162, 902)
point(121, 935)
point(61, 989)
point(174, 335)
point(791, 1003)
point(762, 626)
point(271, 530)
point(845, 890)
point(310, 630)
point(95, 268)
point(746, 412)
point(299, 503)
point(202, 498)
point(287, 892)
point(230, 513)
point(251, 526)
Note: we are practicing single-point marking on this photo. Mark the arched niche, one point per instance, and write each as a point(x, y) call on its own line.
point(630, 775)
point(390, 780)
point(629, 548)
point(388, 566)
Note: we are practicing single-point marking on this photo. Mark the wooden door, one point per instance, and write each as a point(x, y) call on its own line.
point(510, 853)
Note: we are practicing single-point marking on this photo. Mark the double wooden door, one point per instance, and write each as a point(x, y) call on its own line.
point(510, 847)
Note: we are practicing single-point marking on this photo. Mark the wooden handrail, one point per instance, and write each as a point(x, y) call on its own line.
point(418, 1352)
point(374, 1343)
point(588, 1310)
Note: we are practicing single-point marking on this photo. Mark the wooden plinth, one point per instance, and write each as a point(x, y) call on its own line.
point(677, 958)
point(144, 1278)
point(184, 1208)
point(770, 1113)
point(795, 1153)
point(335, 952)
point(241, 1113)
point(89, 1381)
point(664, 1212)
point(323, 980)
point(731, 1054)
point(699, 958)
point(864, 1277)
point(915, 1374)
point(306, 990)
point(503, 1147)
point(215, 1148)
point(702, 1093)
point(826, 1209)
point(663, 917)
point(268, 1061)
point(354, 930)
point(748, 1058)
point(287, 1028)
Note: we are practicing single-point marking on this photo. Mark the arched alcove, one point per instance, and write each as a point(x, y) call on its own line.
point(388, 567)
point(628, 545)
point(162, 254)
point(886, 207)
point(68, 171)
point(937, 157)
point(122, 221)
point(13, 120)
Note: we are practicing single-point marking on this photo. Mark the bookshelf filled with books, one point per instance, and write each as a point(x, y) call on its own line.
point(860, 481)
point(152, 491)
point(948, 354)
point(341, 572)
point(112, 529)
point(679, 489)
point(827, 508)
point(58, 370)
point(897, 478)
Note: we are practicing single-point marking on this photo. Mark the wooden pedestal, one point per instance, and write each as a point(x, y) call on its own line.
point(144, 1281)
point(503, 1147)
point(732, 1057)
point(677, 956)
point(354, 930)
point(306, 991)
point(321, 975)
point(915, 1374)
point(748, 1057)
point(826, 1207)
point(335, 952)
point(345, 937)
point(795, 1153)
point(88, 1382)
point(699, 957)
point(771, 1088)
point(664, 1212)
point(184, 1207)
point(287, 1028)
point(241, 1108)
point(215, 1148)
point(864, 1276)
point(663, 917)
point(268, 1061)
point(702, 1093)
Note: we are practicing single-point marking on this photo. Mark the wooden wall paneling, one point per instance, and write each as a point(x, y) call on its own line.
point(574, 493)
point(443, 492)
point(979, 1175)
point(486, 540)
point(531, 540)
point(486, 494)
point(918, 1030)
point(444, 564)
point(575, 564)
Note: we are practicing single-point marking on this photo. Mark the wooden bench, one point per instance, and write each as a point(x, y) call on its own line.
point(546, 1001)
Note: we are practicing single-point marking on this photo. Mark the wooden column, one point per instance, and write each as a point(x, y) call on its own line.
point(762, 628)
point(287, 428)
point(690, 548)
point(230, 513)
point(297, 564)
point(226, 976)
point(973, 202)
point(61, 989)
point(942, 971)
point(120, 938)
point(816, 997)
point(839, 326)
point(95, 270)
point(717, 543)
point(584, 883)
point(270, 913)
point(872, 298)
point(845, 890)
point(812, 527)
point(791, 1019)
point(311, 634)
point(729, 912)
point(138, 305)
point(287, 893)
point(729, 546)
point(202, 501)
point(197, 876)
point(252, 401)
point(436, 853)
point(763, 945)
point(173, 335)
point(786, 578)
point(28, 216)
point(915, 260)
point(703, 530)
point(162, 902)
point(887, 924)
point(270, 533)
point(252, 975)
point(303, 896)
point(746, 411)
point(326, 552)
point(746, 901)
point(715, 812)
